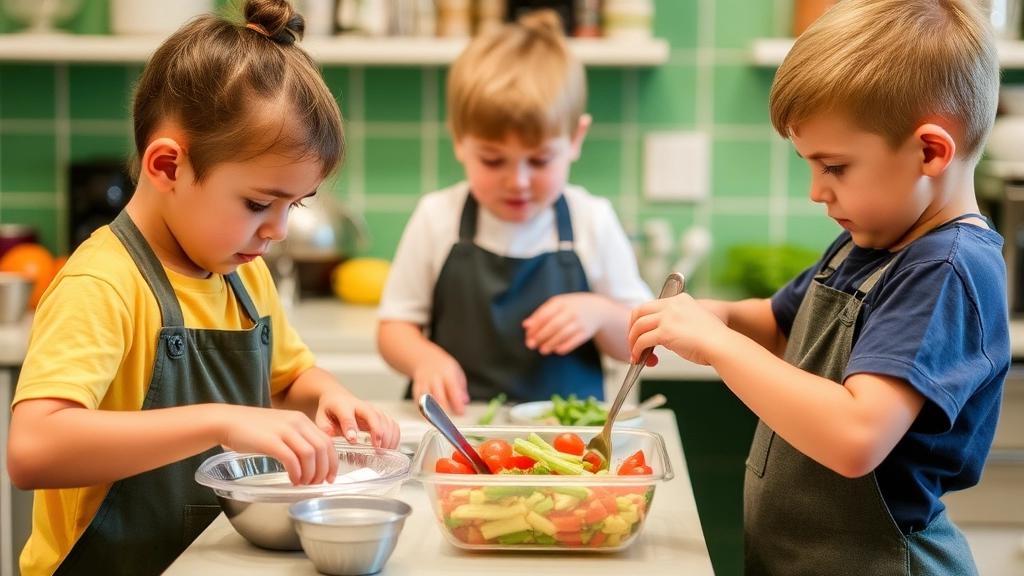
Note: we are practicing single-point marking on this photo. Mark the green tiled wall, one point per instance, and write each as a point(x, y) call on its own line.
point(51, 115)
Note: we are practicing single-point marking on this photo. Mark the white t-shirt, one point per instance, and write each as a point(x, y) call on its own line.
point(599, 241)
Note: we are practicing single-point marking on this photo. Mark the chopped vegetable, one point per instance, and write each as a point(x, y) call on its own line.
point(572, 411)
point(492, 409)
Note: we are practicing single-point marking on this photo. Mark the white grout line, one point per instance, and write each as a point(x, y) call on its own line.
point(62, 91)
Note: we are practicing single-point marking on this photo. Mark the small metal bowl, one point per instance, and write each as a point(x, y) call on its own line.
point(349, 535)
point(255, 493)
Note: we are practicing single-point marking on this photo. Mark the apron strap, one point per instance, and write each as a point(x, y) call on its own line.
point(467, 225)
point(243, 296)
point(833, 263)
point(152, 269)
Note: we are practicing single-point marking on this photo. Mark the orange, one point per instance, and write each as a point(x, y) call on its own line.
point(33, 261)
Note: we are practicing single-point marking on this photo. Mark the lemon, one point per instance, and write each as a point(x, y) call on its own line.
point(360, 280)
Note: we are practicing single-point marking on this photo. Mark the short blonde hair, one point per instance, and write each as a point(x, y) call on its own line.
point(890, 66)
point(521, 79)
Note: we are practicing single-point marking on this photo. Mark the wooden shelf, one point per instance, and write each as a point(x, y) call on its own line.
point(770, 52)
point(343, 50)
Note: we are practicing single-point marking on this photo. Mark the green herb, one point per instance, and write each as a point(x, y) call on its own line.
point(492, 409)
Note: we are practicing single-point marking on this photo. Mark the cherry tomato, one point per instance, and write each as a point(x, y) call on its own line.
point(569, 443)
point(450, 466)
point(458, 457)
point(497, 448)
point(635, 460)
point(495, 463)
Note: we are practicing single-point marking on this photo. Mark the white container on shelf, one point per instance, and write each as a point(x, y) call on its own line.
point(149, 17)
point(628, 19)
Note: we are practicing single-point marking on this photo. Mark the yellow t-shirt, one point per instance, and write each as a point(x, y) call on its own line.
point(94, 340)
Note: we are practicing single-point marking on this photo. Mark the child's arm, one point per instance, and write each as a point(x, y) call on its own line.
point(335, 410)
point(431, 368)
point(58, 443)
point(753, 318)
point(850, 429)
point(566, 321)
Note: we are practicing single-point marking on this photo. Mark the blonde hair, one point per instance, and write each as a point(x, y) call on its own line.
point(890, 66)
point(238, 90)
point(520, 79)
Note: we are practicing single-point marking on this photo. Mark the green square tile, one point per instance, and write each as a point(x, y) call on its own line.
point(336, 79)
point(811, 231)
point(393, 94)
point(449, 169)
point(442, 94)
point(668, 95)
point(100, 92)
point(741, 94)
point(598, 167)
point(393, 166)
point(739, 22)
point(676, 21)
point(28, 162)
point(604, 94)
point(799, 185)
point(385, 231)
point(87, 147)
point(27, 91)
point(92, 18)
point(753, 179)
point(44, 220)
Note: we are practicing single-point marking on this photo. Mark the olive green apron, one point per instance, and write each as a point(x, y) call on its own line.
point(802, 518)
point(147, 520)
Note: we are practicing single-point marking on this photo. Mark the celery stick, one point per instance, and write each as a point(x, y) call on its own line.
point(496, 528)
point(554, 463)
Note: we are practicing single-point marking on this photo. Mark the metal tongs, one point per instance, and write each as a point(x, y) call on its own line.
point(602, 443)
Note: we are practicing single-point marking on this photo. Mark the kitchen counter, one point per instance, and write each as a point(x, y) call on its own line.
point(672, 541)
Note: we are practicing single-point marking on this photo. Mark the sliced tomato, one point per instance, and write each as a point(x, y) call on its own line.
point(565, 522)
point(522, 462)
point(636, 459)
point(597, 540)
point(570, 538)
point(569, 443)
point(450, 466)
point(595, 512)
point(636, 471)
point(474, 536)
point(594, 459)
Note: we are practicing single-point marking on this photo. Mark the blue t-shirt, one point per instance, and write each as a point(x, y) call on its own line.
point(938, 319)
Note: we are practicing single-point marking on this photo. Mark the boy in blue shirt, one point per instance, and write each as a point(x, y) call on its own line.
point(890, 102)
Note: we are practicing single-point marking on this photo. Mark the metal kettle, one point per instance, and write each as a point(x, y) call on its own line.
point(321, 235)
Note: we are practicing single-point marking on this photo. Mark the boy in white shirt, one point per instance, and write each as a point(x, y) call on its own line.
point(514, 281)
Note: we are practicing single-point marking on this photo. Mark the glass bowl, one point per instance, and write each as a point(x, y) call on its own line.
point(254, 491)
point(592, 513)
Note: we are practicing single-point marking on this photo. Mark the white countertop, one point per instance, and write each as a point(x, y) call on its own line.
point(671, 542)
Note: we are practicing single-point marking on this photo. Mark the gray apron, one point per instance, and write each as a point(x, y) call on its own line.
point(802, 518)
point(147, 520)
point(480, 302)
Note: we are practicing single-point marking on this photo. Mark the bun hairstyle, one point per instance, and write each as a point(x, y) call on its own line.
point(520, 79)
point(236, 89)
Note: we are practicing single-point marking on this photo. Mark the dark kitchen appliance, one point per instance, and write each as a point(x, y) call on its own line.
point(97, 193)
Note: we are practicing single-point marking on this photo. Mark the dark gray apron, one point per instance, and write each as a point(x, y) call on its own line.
point(802, 518)
point(147, 520)
point(480, 302)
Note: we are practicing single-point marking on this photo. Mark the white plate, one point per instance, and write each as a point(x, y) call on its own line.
point(530, 414)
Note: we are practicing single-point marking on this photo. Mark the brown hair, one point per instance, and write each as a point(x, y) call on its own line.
point(238, 90)
point(891, 65)
point(522, 79)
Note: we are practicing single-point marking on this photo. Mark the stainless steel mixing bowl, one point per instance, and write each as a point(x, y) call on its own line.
point(349, 535)
point(255, 493)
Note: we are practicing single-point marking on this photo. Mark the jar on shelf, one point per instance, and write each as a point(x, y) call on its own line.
point(631, 19)
point(588, 19)
point(454, 18)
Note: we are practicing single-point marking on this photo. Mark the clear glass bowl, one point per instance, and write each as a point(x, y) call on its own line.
point(611, 509)
point(254, 491)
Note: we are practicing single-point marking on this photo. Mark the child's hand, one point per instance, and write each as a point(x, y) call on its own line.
point(563, 323)
point(443, 378)
point(307, 453)
point(680, 324)
point(342, 414)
